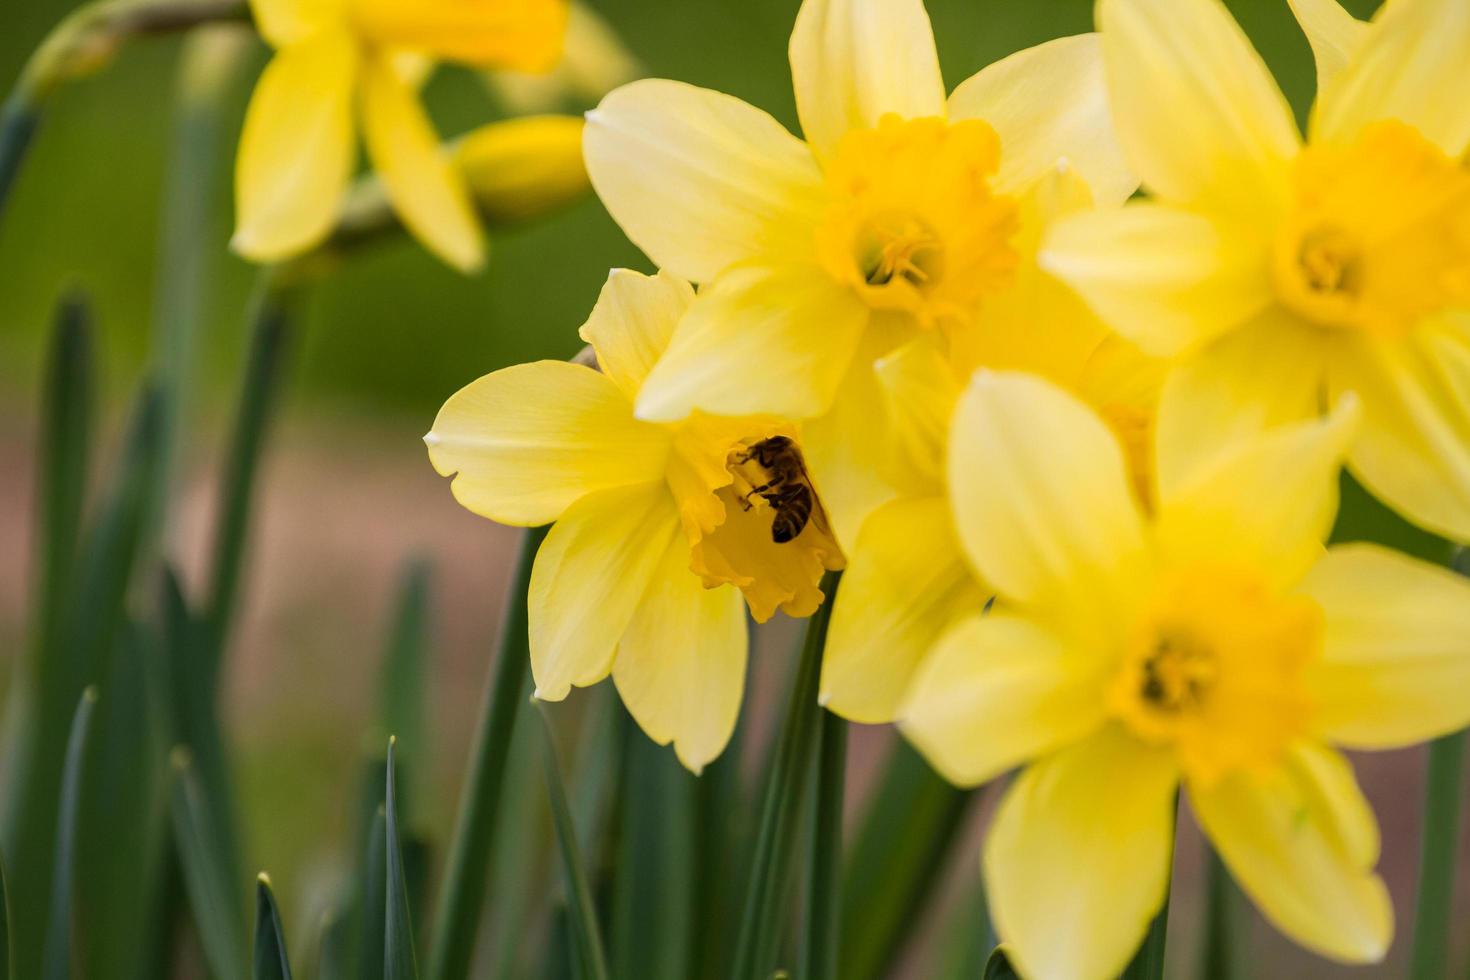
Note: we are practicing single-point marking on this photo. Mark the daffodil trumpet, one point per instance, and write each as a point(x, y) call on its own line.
point(1211, 643)
point(663, 533)
point(896, 215)
point(1287, 273)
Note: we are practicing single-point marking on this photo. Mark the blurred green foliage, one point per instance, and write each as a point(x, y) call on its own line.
point(396, 332)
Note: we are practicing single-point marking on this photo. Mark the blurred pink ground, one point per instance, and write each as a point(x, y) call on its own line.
point(344, 502)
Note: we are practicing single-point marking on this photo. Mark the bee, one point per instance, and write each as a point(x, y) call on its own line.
point(788, 490)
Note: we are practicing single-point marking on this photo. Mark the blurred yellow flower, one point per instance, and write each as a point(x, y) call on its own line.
point(894, 217)
point(653, 521)
point(520, 169)
point(341, 65)
point(907, 578)
point(593, 62)
point(1214, 642)
point(1290, 275)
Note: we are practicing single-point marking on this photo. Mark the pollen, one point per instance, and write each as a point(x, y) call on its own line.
point(912, 224)
point(1216, 671)
point(1379, 233)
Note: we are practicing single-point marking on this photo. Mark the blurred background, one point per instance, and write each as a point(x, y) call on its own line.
point(347, 494)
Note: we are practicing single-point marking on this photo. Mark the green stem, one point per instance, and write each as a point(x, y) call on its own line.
point(84, 41)
point(1437, 857)
point(824, 895)
point(581, 910)
point(1222, 958)
point(211, 59)
point(237, 480)
point(1148, 962)
point(462, 895)
point(759, 934)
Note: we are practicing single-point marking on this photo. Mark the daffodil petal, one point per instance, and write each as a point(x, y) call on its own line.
point(1404, 68)
point(286, 22)
point(1049, 105)
point(854, 61)
point(527, 441)
point(1041, 500)
point(589, 578)
point(997, 691)
point(632, 323)
point(1396, 654)
point(680, 666)
point(1168, 280)
point(697, 179)
point(1297, 843)
point(1335, 35)
point(849, 447)
point(525, 35)
point(1200, 118)
point(1414, 450)
point(919, 395)
point(905, 583)
point(297, 149)
point(426, 190)
point(1268, 504)
point(1268, 373)
point(1077, 862)
point(758, 340)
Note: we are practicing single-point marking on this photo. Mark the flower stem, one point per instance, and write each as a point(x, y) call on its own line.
point(759, 934)
point(1437, 857)
point(462, 895)
point(824, 862)
point(83, 42)
point(1222, 958)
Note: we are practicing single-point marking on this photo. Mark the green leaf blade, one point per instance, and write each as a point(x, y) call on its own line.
point(59, 940)
point(271, 961)
point(399, 961)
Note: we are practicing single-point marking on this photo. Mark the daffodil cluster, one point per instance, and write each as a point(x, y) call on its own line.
point(1078, 447)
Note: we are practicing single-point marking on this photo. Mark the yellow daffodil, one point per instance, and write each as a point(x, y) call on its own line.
point(345, 65)
point(653, 522)
point(816, 257)
point(907, 578)
point(1290, 274)
point(593, 62)
point(1213, 643)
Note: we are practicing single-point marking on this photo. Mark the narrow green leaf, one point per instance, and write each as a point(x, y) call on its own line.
point(1438, 857)
point(653, 934)
point(258, 397)
point(48, 686)
point(824, 862)
point(122, 891)
point(334, 947)
point(582, 913)
point(216, 903)
point(7, 955)
point(208, 65)
point(998, 967)
point(462, 894)
point(903, 842)
point(64, 445)
point(271, 961)
point(59, 939)
point(765, 898)
point(19, 119)
point(966, 942)
point(399, 962)
point(1223, 951)
point(402, 674)
point(374, 898)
